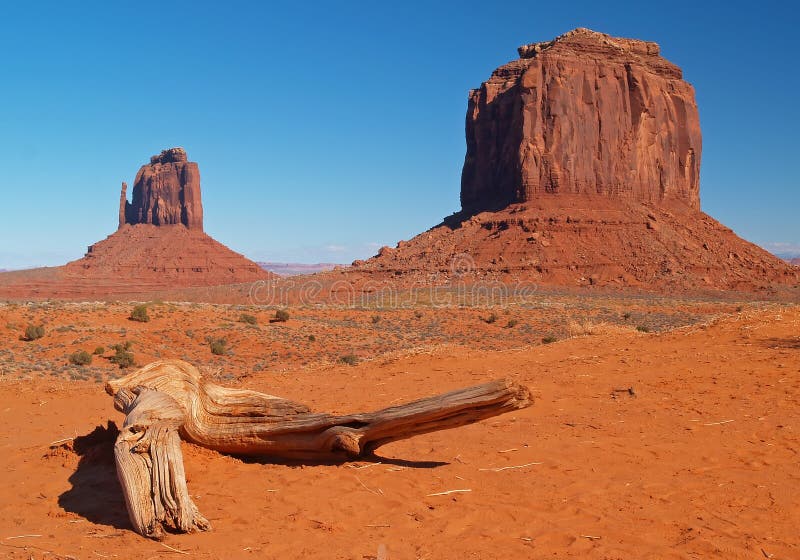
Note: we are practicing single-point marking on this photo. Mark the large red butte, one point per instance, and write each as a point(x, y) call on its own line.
point(585, 113)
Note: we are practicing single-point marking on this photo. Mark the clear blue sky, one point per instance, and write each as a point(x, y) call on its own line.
point(324, 130)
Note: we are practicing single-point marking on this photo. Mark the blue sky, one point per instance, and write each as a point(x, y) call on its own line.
point(324, 130)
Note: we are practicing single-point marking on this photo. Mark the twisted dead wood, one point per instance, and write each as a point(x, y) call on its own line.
point(168, 399)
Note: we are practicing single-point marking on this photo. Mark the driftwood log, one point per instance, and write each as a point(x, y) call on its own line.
point(169, 400)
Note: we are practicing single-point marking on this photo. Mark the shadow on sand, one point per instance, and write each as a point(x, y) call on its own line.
point(96, 494)
point(783, 343)
point(372, 458)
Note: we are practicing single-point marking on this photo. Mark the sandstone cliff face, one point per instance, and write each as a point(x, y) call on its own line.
point(123, 204)
point(166, 191)
point(585, 113)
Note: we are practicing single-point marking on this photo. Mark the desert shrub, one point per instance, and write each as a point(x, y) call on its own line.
point(576, 328)
point(376, 319)
point(642, 328)
point(349, 359)
point(512, 323)
point(418, 314)
point(139, 313)
point(548, 339)
point(127, 345)
point(99, 351)
point(281, 316)
point(312, 338)
point(219, 346)
point(626, 315)
point(123, 356)
point(249, 319)
point(80, 358)
point(492, 318)
point(34, 332)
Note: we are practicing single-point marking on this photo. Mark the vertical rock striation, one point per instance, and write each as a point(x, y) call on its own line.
point(166, 191)
point(585, 113)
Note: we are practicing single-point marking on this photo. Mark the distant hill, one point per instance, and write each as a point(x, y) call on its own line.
point(795, 262)
point(296, 269)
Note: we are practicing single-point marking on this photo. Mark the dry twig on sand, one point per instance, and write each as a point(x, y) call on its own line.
point(498, 469)
point(450, 492)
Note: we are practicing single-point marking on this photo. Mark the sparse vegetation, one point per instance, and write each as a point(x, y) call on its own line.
point(281, 316)
point(376, 319)
point(249, 319)
point(349, 359)
point(626, 315)
point(219, 346)
point(80, 358)
point(642, 328)
point(139, 314)
point(492, 318)
point(34, 332)
point(123, 357)
point(322, 336)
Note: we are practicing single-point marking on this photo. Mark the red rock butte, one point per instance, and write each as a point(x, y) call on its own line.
point(167, 191)
point(159, 245)
point(582, 168)
point(585, 113)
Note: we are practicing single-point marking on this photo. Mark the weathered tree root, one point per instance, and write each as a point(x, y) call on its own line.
point(168, 400)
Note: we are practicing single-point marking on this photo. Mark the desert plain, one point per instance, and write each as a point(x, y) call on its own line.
point(665, 427)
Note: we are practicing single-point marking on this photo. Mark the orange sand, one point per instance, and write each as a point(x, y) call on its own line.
point(700, 462)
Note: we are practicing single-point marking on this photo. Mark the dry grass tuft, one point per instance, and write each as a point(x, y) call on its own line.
point(584, 328)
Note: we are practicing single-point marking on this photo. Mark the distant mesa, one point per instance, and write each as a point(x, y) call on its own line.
point(582, 168)
point(795, 262)
point(159, 245)
point(161, 241)
point(297, 269)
